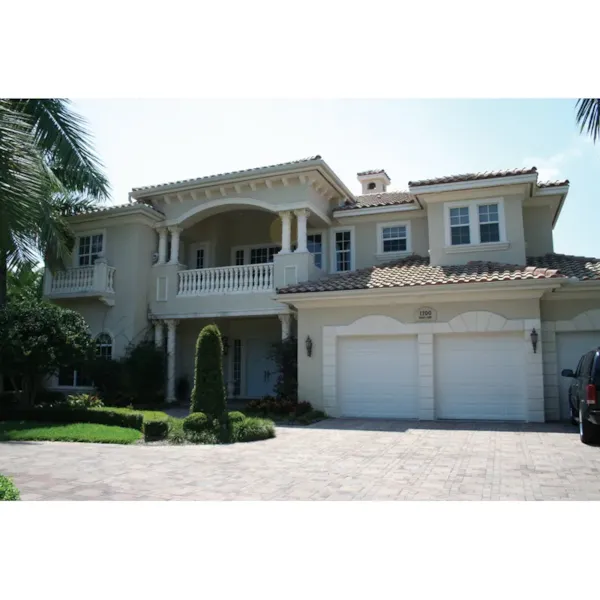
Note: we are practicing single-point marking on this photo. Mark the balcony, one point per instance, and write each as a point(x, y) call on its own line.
point(96, 281)
point(226, 280)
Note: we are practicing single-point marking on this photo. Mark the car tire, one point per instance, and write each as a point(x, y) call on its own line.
point(588, 432)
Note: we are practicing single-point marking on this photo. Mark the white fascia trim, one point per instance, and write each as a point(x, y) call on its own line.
point(430, 289)
point(375, 210)
point(552, 191)
point(472, 185)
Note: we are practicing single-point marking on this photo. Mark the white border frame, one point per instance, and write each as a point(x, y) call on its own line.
point(246, 248)
point(194, 247)
point(324, 246)
point(468, 322)
point(332, 255)
point(391, 255)
point(475, 244)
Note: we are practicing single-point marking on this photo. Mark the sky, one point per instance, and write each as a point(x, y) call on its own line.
point(145, 142)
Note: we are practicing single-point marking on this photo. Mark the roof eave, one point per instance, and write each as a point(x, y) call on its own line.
point(475, 184)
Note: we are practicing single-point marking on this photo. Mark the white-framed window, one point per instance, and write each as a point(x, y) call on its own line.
point(393, 239)
point(89, 248)
point(342, 249)
point(68, 377)
point(200, 258)
point(239, 258)
point(314, 243)
point(104, 345)
point(475, 223)
point(199, 255)
point(254, 255)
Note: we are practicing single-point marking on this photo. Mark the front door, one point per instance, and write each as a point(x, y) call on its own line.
point(260, 369)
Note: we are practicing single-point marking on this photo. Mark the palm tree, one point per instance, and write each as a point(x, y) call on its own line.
point(47, 171)
point(588, 116)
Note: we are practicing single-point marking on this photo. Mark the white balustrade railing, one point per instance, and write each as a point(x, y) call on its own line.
point(80, 279)
point(98, 278)
point(224, 280)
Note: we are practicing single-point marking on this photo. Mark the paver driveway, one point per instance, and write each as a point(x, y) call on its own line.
point(340, 459)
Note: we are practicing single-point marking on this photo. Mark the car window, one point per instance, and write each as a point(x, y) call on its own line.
point(586, 367)
point(596, 368)
point(578, 369)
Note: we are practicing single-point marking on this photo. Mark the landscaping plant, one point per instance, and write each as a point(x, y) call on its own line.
point(209, 395)
point(155, 429)
point(8, 490)
point(37, 339)
point(285, 356)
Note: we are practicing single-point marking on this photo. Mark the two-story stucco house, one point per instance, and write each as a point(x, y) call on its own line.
point(445, 301)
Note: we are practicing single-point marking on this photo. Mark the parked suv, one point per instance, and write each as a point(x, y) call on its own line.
point(583, 396)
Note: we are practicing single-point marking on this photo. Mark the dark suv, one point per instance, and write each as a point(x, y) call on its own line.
point(583, 396)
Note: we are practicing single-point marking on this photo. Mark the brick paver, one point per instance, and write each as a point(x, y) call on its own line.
point(341, 459)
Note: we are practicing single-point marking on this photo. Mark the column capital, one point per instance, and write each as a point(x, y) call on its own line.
point(287, 214)
point(302, 212)
point(175, 229)
point(171, 323)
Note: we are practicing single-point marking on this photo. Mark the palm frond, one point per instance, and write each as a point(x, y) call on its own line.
point(588, 116)
point(61, 136)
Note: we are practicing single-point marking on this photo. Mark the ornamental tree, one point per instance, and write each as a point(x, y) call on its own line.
point(208, 395)
point(37, 339)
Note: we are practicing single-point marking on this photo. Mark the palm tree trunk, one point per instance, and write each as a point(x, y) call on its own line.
point(3, 278)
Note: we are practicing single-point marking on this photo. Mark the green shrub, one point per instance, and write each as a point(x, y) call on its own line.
point(285, 356)
point(108, 376)
point(253, 429)
point(202, 437)
point(236, 416)
point(155, 429)
point(64, 414)
point(8, 490)
point(208, 395)
point(84, 401)
point(145, 372)
point(196, 422)
point(312, 416)
point(278, 407)
point(49, 398)
point(176, 432)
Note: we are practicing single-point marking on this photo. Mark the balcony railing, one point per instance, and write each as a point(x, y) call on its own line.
point(95, 280)
point(226, 280)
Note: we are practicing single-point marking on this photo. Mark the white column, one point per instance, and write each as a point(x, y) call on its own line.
point(286, 232)
point(162, 245)
point(286, 326)
point(302, 216)
point(175, 233)
point(171, 328)
point(159, 334)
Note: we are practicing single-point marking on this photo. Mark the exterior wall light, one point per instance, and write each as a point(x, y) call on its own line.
point(534, 339)
point(309, 345)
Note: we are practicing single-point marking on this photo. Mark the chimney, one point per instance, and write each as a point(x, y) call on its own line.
point(374, 181)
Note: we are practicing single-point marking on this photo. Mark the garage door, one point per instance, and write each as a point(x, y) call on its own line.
point(569, 348)
point(377, 377)
point(480, 376)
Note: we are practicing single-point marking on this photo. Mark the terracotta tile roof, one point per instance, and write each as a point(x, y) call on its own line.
point(416, 271)
point(115, 208)
point(382, 199)
point(547, 184)
point(579, 267)
point(473, 176)
point(373, 172)
point(162, 185)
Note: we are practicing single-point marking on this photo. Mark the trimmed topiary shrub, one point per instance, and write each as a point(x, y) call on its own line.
point(253, 429)
point(155, 429)
point(84, 401)
point(235, 416)
point(208, 395)
point(8, 490)
point(196, 422)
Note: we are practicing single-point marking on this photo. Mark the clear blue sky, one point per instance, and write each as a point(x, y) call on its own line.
point(143, 142)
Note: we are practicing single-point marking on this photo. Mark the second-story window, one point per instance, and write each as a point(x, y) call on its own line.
point(394, 238)
point(489, 223)
point(343, 251)
point(460, 231)
point(90, 248)
point(239, 258)
point(263, 254)
point(314, 243)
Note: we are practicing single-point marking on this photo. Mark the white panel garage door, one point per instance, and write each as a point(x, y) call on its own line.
point(480, 376)
point(377, 377)
point(570, 347)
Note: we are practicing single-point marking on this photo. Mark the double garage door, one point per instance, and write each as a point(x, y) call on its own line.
point(476, 376)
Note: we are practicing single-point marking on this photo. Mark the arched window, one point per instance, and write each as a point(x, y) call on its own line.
point(104, 346)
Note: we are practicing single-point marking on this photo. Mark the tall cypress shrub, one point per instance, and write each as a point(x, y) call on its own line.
point(209, 395)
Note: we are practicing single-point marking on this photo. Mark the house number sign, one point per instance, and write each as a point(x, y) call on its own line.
point(425, 313)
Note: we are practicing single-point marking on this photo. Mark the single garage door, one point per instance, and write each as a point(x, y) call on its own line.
point(377, 377)
point(480, 376)
point(569, 348)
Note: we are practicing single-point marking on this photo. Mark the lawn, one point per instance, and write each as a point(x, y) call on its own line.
point(75, 432)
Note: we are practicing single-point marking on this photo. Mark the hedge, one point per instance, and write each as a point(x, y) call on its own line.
point(155, 429)
point(64, 414)
point(8, 490)
point(196, 422)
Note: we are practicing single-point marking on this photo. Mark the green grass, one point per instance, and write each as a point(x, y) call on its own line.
point(148, 414)
point(75, 432)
